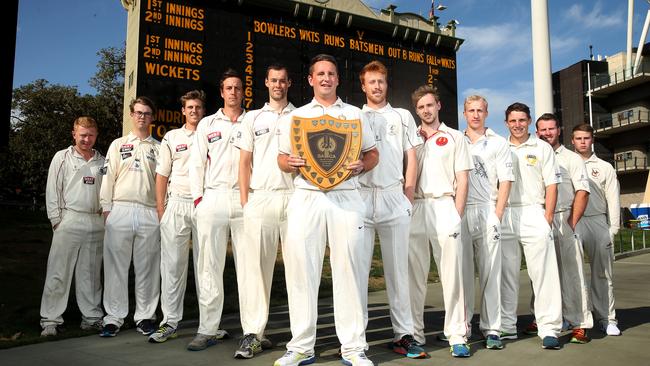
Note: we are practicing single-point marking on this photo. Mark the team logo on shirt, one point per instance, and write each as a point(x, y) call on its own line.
point(442, 141)
point(214, 136)
point(103, 169)
point(181, 147)
point(89, 180)
point(151, 155)
point(595, 172)
point(531, 159)
point(126, 148)
point(136, 166)
point(392, 130)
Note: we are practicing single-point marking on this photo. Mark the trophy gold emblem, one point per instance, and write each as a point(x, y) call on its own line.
point(328, 145)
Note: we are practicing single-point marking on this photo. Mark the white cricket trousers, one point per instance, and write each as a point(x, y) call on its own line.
point(436, 222)
point(482, 239)
point(76, 248)
point(594, 232)
point(314, 219)
point(265, 225)
point(527, 226)
point(388, 213)
point(218, 214)
point(132, 230)
point(570, 258)
point(177, 227)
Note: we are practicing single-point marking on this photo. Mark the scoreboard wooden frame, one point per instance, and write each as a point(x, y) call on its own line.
point(186, 45)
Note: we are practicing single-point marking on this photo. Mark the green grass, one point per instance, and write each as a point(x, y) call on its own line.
point(623, 240)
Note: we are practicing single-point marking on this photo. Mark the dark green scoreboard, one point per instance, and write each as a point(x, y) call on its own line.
point(186, 45)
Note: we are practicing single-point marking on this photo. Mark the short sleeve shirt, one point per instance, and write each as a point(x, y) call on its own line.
point(174, 160)
point(574, 178)
point(492, 164)
point(534, 168)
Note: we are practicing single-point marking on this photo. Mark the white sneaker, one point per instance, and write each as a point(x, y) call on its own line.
point(291, 358)
point(612, 330)
point(358, 359)
point(49, 330)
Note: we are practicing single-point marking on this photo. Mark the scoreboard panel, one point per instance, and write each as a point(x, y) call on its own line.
point(186, 45)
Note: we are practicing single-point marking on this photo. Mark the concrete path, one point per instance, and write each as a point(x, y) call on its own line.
point(632, 285)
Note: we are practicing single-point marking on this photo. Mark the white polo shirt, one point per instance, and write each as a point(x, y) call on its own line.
point(440, 157)
point(259, 136)
point(534, 168)
point(604, 197)
point(73, 183)
point(395, 133)
point(214, 159)
point(173, 161)
point(130, 172)
point(338, 110)
point(492, 164)
point(574, 177)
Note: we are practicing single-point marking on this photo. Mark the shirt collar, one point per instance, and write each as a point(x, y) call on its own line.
point(287, 109)
point(221, 115)
point(532, 141)
point(338, 103)
point(132, 137)
point(384, 109)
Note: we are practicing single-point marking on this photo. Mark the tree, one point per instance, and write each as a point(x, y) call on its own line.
point(43, 119)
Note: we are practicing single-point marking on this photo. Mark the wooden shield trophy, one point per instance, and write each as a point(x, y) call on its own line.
point(327, 144)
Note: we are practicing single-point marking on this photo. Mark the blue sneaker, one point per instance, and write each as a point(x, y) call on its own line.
point(109, 330)
point(408, 347)
point(460, 350)
point(493, 341)
point(550, 343)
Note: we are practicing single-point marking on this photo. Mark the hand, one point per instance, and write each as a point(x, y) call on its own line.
point(356, 167)
point(161, 212)
point(295, 162)
point(549, 219)
point(105, 214)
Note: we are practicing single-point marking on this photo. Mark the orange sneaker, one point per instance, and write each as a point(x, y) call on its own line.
point(579, 335)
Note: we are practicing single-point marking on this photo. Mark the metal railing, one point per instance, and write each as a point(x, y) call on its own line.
point(604, 79)
point(631, 241)
point(621, 119)
point(634, 163)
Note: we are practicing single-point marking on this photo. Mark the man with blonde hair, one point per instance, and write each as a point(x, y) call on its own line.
point(489, 187)
point(72, 201)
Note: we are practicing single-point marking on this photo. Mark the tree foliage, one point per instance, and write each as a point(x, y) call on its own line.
point(43, 117)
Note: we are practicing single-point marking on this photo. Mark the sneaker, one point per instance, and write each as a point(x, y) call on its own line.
point(248, 346)
point(611, 329)
point(291, 358)
point(408, 346)
point(146, 327)
point(531, 329)
point(493, 341)
point(163, 333)
point(550, 343)
point(222, 334)
point(266, 343)
point(510, 336)
point(579, 335)
point(201, 342)
point(96, 325)
point(459, 350)
point(442, 337)
point(49, 331)
point(358, 359)
point(109, 330)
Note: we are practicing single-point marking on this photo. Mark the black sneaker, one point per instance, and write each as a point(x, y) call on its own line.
point(248, 347)
point(146, 327)
point(109, 330)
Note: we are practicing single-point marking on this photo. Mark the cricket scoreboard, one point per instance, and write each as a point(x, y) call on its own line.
point(187, 44)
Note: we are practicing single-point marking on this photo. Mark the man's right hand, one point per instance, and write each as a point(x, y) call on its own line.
point(105, 214)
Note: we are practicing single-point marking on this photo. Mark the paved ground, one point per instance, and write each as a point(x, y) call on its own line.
point(632, 283)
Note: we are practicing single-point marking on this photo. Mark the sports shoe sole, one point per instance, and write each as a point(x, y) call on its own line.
point(509, 336)
point(307, 361)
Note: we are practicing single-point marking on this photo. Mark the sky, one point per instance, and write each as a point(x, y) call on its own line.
point(59, 40)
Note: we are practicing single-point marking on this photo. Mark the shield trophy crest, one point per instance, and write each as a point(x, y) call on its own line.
point(327, 144)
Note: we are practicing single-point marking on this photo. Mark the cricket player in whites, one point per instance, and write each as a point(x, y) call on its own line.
point(176, 214)
point(213, 165)
point(387, 191)
point(440, 195)
point(316, 218)
point(265, 209)
point(132, 229)
point(572, 198)
point(598, 227)
point(489, 187)
point(527, 221)
point(72, 200)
